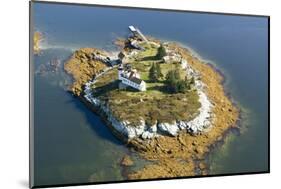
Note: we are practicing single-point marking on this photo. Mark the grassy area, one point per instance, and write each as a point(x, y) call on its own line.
point(151, 106)
point(155, 104)
point(106, 78)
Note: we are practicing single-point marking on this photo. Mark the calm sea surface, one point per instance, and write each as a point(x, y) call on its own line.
point(73, 145)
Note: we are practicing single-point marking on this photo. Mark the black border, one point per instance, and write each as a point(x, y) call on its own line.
point(31, 185)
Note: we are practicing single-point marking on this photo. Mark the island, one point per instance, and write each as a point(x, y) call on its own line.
point(37, 38)
point(159, 98)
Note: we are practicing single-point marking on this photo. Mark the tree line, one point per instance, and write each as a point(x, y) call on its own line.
point(172, 80)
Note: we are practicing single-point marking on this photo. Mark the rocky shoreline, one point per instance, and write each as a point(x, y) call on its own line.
point(199, 124)
point(174, 150)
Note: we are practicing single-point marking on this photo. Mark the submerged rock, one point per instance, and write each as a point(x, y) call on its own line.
point(127, 161)
point(52, 66)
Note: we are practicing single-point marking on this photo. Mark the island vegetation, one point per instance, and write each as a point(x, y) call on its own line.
point(179, 114)
point(158, 103)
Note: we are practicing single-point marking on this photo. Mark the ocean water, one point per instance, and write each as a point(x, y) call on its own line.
point(73, 145)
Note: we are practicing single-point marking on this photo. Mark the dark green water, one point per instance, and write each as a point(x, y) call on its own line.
point(72, 145)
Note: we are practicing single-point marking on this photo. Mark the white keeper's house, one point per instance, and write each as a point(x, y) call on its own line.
point(130, 77)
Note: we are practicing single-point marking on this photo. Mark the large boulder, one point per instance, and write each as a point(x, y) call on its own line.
point(147, 135)
point(170, 129)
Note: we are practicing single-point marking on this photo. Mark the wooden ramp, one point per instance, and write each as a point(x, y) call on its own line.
point(136, 31)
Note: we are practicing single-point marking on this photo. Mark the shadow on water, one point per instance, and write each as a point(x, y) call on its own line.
point(96, 123)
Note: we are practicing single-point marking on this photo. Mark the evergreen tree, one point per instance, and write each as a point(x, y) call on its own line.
point(182, 86)
point(175, 84)
point(158, 71)
point(161, 52)
point(153, 73)
point(171, 81)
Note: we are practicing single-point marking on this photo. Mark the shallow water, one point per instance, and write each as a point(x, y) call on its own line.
point(72, 145)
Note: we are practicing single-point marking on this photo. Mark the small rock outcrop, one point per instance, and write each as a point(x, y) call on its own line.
point(171, 129)
point(127, 161)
